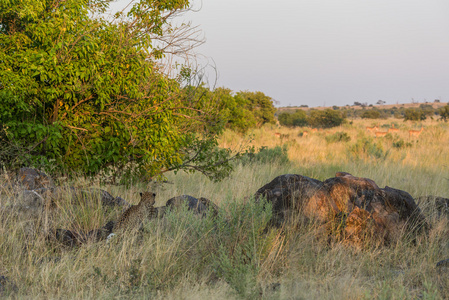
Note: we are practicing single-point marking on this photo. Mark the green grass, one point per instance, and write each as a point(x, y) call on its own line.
point(236, 256)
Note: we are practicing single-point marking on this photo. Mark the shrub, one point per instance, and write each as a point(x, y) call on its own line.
point(365, 147)
point(414, 114)
point(277, 155)
point(401, 144)
point(444, 112)
point(240, 242)
point(298, 118)
point(325, 118)
point(338, 137)
point(371, 114)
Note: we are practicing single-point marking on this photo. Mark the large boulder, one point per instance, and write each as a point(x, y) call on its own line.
point(292, 192)
point(357, 205)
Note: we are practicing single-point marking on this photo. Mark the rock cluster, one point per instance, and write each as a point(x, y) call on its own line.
point(357, 204)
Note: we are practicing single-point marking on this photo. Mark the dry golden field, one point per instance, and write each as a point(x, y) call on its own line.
point(234, 257)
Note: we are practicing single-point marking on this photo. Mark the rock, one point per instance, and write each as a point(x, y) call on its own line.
point(356, 205)
point(118, 201)
point(371, 211)
point(291, 192)
point(69, 238)
point(198, 206)
point(192, 203)
point(359, 226)
point(101, 233)
point(65, 237)
point(33, 179)
point(107, 200)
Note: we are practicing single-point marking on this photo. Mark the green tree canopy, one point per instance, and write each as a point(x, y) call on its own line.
point(325, 118)
point(414, 114)
point(84, 92)
point(298, 118)
point(260, 105)
point(444, 112)
point(371, 114)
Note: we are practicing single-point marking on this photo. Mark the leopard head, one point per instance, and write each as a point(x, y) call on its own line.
point(147, 198)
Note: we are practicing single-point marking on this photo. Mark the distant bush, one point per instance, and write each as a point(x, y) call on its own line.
point(444, 112)
point(366, 148)
point(414, 114)
point(338, 137)
point(276, 155)
point(298, 118)
point(401, 144)
point(325, 118)
point(371, 114)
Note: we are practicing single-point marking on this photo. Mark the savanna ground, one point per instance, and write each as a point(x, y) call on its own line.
point(234, 256)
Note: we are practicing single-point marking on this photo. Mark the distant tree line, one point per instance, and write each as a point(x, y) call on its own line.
point(337, 115)
point(423, 112)
point(315, 118)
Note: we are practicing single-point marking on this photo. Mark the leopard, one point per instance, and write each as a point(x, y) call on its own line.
point(134, 216)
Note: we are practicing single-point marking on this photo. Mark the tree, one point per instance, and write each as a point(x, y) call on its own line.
point(83, 92)
point(260, 105)
point(371, 114)
point(325, 118)
point(225, 109)
point(414, 114)
point(444, 112)
point(298, 118)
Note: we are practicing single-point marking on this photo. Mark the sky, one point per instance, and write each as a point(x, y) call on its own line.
point(327, 52)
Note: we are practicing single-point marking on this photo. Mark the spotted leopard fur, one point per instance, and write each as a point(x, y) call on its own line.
point(134, 216)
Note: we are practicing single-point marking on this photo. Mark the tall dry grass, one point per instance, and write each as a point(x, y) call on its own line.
point(235, 257)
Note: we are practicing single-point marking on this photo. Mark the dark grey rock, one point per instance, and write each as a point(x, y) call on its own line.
point(288, 192)
point(192, 203)
point(33, 179)
point(70, 238)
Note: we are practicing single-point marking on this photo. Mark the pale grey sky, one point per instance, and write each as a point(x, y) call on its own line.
point(329, 52)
